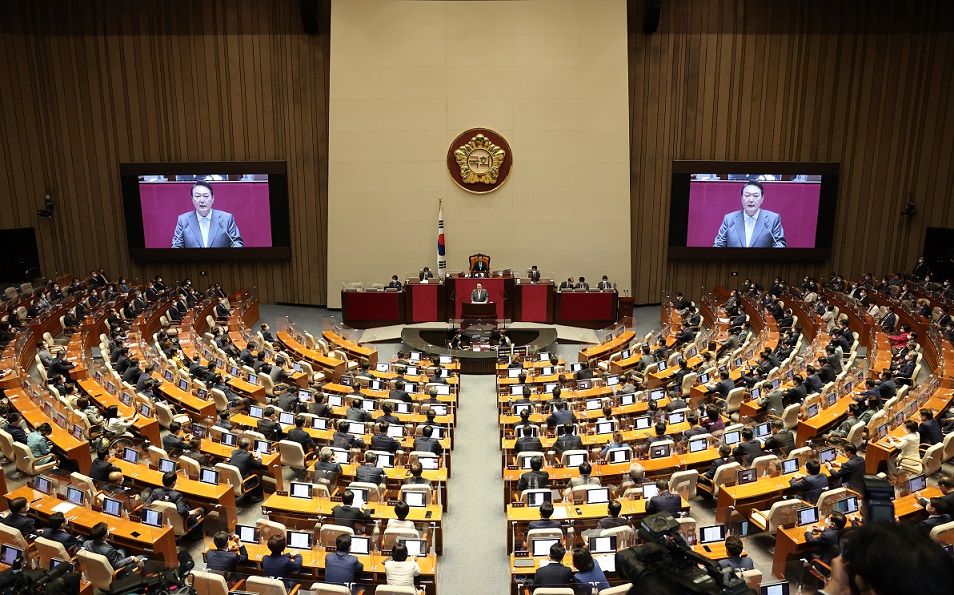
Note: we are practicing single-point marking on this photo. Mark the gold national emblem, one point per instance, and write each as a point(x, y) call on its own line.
point(479, 161)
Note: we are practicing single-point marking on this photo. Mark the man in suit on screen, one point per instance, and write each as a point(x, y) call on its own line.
point(206, 227)
point(753, 226)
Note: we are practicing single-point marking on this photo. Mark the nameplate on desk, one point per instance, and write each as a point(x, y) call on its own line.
point(558, 466)
point(518, 504)
point(512, 467)
point(153, 467)
point(281, 493)
point(134, 518)
point(521, 554)
point(600, 462)
point(60, 496)
point(193, 477)
point(330, 548)
point(336, 498)
point(391, 502)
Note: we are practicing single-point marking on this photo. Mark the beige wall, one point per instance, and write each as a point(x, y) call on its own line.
point(408, 77)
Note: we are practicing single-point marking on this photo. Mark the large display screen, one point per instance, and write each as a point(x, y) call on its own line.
point(752, 210)
point(206, 210)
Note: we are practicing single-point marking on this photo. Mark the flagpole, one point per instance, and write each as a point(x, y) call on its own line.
point(441, 248)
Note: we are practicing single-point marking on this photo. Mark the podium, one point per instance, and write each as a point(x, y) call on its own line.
point(471, 311)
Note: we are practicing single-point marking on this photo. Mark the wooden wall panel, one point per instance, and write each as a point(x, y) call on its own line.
point(866, 84)
point(89, 85)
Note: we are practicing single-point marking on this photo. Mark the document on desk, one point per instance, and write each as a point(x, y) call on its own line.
point(64, 507)
point(559, 513)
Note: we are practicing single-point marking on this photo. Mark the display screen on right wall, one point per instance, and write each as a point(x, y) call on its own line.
point(752, 210)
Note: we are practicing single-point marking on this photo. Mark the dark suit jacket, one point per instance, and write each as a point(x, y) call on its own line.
point(667, 502)
point(399, 395)
point(21, 522)
point(281, 567)
point(224, 560)
point(341, 568)
point(425, 444)
point(812, 486)
point(851, 474)
point(533, 480)
point(301, 437)
point(347, 515)
point(552, 575)
point(270, 428)
point(245, 461)
point(930, 432)
point(479, 296)
point(827, 540)
point(747, 451)
point(223, 233)
point(567, 442)
point(783, 441)
point(384, 442)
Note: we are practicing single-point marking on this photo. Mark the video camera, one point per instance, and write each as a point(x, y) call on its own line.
point(666, 564)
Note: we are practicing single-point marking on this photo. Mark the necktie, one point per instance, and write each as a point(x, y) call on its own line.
point(749, 226)
point(204, 225)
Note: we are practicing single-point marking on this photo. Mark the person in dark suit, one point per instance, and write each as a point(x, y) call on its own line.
point(797, 393)
point(929, 429)
point(826, 538)
point(752, 226)
point(534, 274)
point(100, 469)
point(191, 517)
point(425, 274)
point(17, 520)
point(604, 284)
point(749, 449)
point(811, 485)
point(427, 443)
point(394, 283)
point(479, 295)
point(528, 442)
point(554, 574)
point(369, 472)
point(566, 285)
point(341, 568)
point(60, 366)
point(665, 501)
point(347, 515)
point(582, 284)
point(205, 227)
point(939, 512)
point(225, 557)
point(326, 468)
point(301, 436)
point(851, 473)
point(280, 565)
point(247, 463)
point(545, 522)
point(381, 440)
point(567, 440)
point(117, 557)
point(14, 429)
point(536, 478)
point(54, 532)
point(398, 393)
point(560, 415)
point(269, 425)
point(173, 442)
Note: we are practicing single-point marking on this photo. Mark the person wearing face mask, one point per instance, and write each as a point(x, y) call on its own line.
point(826, 537)
point(117, 557)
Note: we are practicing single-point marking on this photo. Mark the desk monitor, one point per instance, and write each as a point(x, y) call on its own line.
point(611, 380)
point(543, 356)
point(597, 496)
point(516, 390)
point(575, 460)
point(813, 409)
point(262, 447)
point(183, 385)
point(807, 516)
point(199, 430)
point(831, 399)
point(514, 372)
point(604, 427)
point(415, 499)
point(43, 484)
point(881, 431)
point(54, 562)
point(356, 428)
point(335, 400)
point(443, 390)
point(545, 371)
point(383, 367)
point(9, 554)
point(402, 408)
point(915, 484)
point(429, 463)
point(603, 545)
point(650, 491)
point(756, 393)
point(368, 405)
point(297, 368)
point(657, 394)
point(643, 423)
point(112, 507)
point(676, 418)
point(776, 383)
point(126, 398)
point(411, 371)
point(624, 354)
point(445, 360)
point(209, 476)
point(848, 387)
point(826, 455)
point(305, 396)
point(61, 420)
point(299, 540)
point(618, 455)
point(340, 455)
point(627, 399)
point(660, 451)
point(438, 432)
point(396, 431)
point(703, 378)
point(233, 371)
point(246, 534)
point(415, 356)
point(256, 411)
point(385, 460)
point(167, 375)
point(846, 505)
point(712, 534)
point(75, 495)
point(733, 437)
point(167, 465)
point(737, 363)
point(541, 547)
point(576, 367)
point(775, 589)
point(286, 419)
point(530, 431)
point(525, 461)
point(360, 545)
point(130, 455)
point(319, 423)
point(536, 498)
point(789, 466)
point(593, 404)
point(698, 445)
point(439, 409)
point(549, 386)
point(747, 476)
point(763, 430)
point(415, 547)
point(229, 439)
point(584, 384)
point(300, 490)
point(152, 518)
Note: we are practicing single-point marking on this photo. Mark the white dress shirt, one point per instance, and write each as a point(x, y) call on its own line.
point(205, 223)
point(750, 226)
